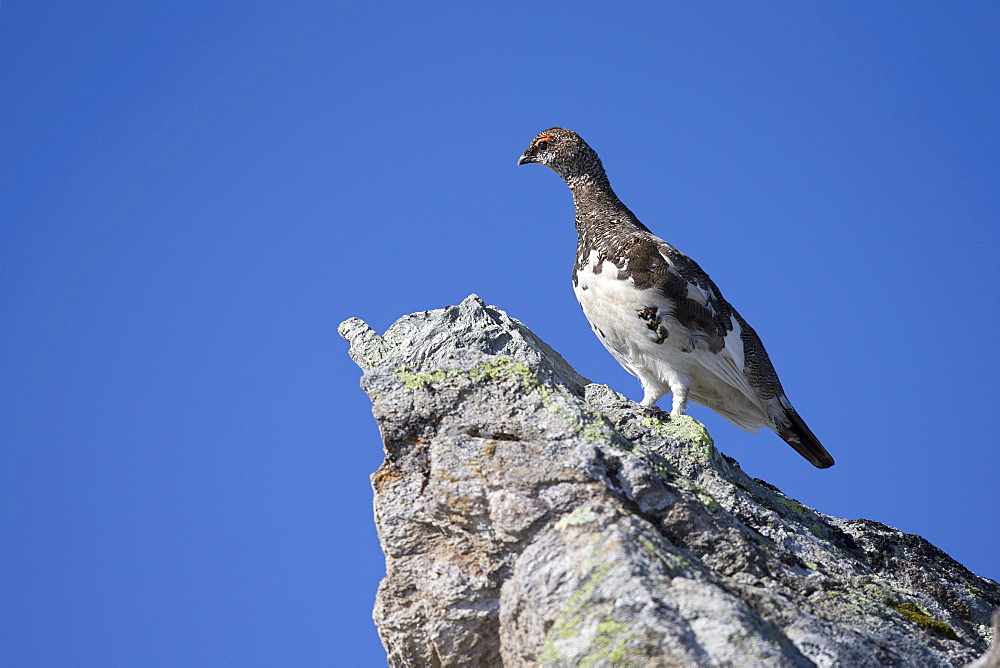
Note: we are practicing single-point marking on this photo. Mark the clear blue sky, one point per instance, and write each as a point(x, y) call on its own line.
point(194, 194)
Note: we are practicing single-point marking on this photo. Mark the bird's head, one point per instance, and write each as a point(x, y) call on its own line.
point(563, 151)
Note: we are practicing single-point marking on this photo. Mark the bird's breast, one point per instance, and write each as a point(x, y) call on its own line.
point(629, 321)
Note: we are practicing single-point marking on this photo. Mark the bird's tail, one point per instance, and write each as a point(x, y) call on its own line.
point(798, 435)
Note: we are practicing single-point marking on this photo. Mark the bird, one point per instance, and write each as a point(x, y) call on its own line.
point(659, 314)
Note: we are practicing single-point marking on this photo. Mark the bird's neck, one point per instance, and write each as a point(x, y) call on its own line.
point(597, 205)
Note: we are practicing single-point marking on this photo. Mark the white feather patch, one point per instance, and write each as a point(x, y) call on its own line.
point(699, 294)
point(682, 360)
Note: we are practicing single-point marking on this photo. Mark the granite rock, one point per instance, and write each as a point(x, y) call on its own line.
point(530, 517)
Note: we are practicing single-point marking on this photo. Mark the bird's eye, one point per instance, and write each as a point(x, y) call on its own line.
point(543, 142)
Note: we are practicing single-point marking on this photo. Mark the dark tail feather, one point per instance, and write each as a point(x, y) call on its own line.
point(800, 437)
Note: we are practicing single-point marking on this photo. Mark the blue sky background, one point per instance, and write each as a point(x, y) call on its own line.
point(194, 194)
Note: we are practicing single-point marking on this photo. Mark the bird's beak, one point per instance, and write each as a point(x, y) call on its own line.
point(525, 159)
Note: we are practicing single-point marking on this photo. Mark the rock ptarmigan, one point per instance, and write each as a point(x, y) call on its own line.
point(659, 314)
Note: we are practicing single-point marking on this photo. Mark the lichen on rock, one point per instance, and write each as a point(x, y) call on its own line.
point(530, 517)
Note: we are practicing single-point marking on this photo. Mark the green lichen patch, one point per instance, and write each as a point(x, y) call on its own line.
point(504, 367)
point(649, 547)
point(791, 505)
point(596, 428)
point(703, 494)
point(500, 368)
point(418, 381)
point(609, 643)
point(919, 616)
point(568, 624)
point(682, 428)
point(582, 515)
point(876, 592)
point(709, 501)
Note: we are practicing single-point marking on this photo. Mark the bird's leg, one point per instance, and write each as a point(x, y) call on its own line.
point(649, 398)
point(652, 390)
point(680, 404)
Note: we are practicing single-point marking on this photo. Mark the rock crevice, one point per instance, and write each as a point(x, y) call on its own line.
point(531, 517)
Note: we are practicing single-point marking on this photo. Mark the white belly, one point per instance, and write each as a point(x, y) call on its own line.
point(613, 308)
point(670, 357)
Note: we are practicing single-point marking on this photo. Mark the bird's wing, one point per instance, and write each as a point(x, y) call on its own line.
point(728, 349)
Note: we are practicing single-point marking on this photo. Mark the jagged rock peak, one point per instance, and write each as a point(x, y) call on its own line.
point(529, 517)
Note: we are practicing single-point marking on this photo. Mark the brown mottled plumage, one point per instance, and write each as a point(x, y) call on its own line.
point(659, 314)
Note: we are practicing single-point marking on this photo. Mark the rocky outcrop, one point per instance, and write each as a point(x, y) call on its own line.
point(530, 517)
